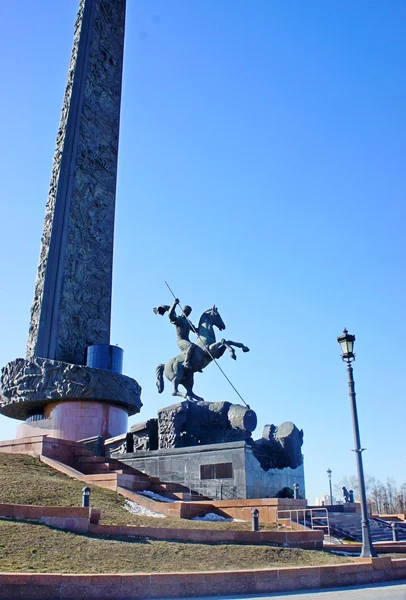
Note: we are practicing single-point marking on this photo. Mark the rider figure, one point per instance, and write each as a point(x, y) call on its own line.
point(183, 328)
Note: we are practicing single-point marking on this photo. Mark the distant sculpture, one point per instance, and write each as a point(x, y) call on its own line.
point(197, 356)
point(346, 495)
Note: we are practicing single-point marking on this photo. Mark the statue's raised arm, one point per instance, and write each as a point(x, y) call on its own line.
point(173, 317)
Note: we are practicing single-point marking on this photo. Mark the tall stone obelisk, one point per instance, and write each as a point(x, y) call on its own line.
point(69, 356)
point(72, 302)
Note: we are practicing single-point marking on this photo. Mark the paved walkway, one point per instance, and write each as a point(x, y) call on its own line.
point(379, 591)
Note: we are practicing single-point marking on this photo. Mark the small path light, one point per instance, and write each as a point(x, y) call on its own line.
point(346, 341)
point(86, 497)
point(296, 491)
point(255, 519)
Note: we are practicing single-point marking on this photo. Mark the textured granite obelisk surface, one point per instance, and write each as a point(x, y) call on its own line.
point(71, 311)
point(72, 302)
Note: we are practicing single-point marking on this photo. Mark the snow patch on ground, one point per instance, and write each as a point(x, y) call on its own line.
point(212, 517)
point(137, 509)
point(155, 496)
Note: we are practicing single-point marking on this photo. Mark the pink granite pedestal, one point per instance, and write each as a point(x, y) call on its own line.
point(77, 420)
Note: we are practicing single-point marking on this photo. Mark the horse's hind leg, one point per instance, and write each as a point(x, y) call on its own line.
point(176, 391)
point(176, 381)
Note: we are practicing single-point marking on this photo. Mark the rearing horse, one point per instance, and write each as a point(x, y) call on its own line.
point(206, 350)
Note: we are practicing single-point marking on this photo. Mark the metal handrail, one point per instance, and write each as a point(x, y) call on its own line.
point(219, 491)
point(389, 525)
point(300, 515)
point(215, 490)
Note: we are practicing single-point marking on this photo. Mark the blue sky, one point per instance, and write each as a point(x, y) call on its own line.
point(262, 169)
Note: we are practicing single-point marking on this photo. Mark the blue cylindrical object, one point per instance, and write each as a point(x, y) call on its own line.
point(103, 356)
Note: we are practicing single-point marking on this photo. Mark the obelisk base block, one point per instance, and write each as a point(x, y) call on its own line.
point(77, 420)
point(67, 401)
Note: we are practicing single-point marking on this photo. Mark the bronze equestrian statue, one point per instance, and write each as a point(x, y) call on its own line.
point(195, 356)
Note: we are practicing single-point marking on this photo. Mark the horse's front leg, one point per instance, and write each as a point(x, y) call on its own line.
point(231, 350)
point(193, 396)
point(237, 345)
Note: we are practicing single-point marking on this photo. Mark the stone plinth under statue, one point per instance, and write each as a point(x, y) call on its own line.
point(219, 471)
point(208, 447)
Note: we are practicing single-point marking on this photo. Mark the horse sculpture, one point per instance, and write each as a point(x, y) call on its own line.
point(207, 349)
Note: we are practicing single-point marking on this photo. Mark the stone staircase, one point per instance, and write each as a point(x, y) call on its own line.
point(75, 460)
point(349, 525)
point(109, 473)
point(112, 474)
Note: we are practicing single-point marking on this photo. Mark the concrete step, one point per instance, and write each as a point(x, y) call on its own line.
point(113, 463)
point(102, 476)
point(123, 469)
point(176, 491)
point(81, 451)
point(163, 487)
point(136, 476)
point(90, 460)
point(95, 465)
point(139, 486)
point(153, 479)
point(112, 480)
point(128, 469)
point(187, 496)
point(108, 480)
point(94, 469)
point(99, 469)
point(132, 482)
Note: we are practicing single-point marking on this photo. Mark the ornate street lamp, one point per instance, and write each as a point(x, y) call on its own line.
point(331, 491)
point(346, 341)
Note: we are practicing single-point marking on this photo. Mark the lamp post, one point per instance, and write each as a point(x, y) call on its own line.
point(346, 341)
point(329, 480)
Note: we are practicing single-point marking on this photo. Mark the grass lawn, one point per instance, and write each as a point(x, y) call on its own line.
point(36, 548)
point(26, 480)
point(25, 547)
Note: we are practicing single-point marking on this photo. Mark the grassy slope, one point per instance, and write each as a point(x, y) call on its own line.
point(36, 548)
point(27, 547)
point(26, 480)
